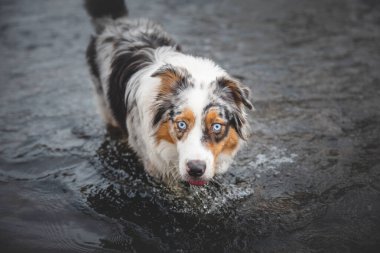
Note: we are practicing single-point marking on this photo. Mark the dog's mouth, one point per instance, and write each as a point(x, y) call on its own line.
point(197, 182)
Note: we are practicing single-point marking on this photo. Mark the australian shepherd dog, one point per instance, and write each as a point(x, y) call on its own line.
point(183, 115)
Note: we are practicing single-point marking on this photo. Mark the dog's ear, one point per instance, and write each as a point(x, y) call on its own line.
point(173, 81)
point(233, 89)
point(169, 76)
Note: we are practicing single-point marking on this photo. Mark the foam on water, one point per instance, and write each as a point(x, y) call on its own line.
point(272, 160)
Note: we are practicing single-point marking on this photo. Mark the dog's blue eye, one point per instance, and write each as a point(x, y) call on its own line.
point(181, 125)
point(216, 127)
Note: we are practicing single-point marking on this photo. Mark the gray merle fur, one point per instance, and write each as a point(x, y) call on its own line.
point(130, 55)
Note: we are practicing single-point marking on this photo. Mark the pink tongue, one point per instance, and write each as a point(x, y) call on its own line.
point(197, 182)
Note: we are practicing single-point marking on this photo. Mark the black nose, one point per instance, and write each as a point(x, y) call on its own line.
point(196, 168)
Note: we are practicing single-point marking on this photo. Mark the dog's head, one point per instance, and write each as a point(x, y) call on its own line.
point(204, 118)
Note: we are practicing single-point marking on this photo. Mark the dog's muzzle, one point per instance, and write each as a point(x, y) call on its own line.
point(195, 169)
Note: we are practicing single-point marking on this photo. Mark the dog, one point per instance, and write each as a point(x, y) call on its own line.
point(184, 116)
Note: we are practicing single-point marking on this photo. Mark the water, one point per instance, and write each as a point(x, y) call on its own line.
point(308, 180)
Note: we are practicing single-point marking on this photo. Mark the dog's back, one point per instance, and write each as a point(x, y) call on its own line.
point(120, 48)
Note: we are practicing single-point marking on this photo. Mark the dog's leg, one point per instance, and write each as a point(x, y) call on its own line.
point(105, 111)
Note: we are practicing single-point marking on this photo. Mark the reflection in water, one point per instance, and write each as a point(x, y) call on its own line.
point(307, 181)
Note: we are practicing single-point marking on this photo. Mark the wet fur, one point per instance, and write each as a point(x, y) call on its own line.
point(145, 85)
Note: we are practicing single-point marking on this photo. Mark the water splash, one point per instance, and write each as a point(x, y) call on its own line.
point(272, 160)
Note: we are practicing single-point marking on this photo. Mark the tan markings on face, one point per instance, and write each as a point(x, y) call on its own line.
point(217, 143)
point(163, 133)
point(188, 117)
point(232, 141)
point(168, 79)
point(169, 131)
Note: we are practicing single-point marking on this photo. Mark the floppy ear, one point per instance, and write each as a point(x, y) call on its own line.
point(235, 90)
point(169, 77)
point(173, 81)
point(168, 72)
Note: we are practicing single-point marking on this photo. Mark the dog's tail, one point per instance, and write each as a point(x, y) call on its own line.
point(101, 11)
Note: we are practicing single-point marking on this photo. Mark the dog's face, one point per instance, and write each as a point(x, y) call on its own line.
point(205, 121)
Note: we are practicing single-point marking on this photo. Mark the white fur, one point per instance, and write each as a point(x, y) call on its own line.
point(163, 155)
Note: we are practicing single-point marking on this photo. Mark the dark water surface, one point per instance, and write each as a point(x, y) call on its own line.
point(308, 180)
